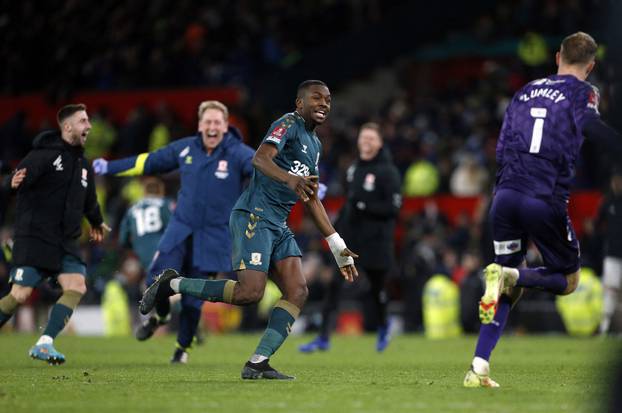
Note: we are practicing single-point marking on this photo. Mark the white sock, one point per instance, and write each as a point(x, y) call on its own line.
point(45, 340)
point(609, 307)
point(257, 358)
point(175, 284)
point(511, 275)
point(480, 366)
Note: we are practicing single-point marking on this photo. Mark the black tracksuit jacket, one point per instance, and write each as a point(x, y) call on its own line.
point(57, 192)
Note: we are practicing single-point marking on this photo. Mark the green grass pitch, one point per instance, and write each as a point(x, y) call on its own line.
point(537, 374)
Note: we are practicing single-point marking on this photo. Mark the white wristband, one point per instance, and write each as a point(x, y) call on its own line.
point(337, 245)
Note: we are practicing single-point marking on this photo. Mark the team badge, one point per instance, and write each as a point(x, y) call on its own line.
point(188, 160)
point(255, 258)
point(222, 172)
point(84, 176)
point(370, 182)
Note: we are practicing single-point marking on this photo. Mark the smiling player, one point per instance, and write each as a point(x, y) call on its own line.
point(286, 169)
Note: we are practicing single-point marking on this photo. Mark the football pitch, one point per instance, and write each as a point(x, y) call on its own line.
point(537, 374)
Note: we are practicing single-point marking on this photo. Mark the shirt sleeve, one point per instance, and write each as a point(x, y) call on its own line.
point(280, 131)
point(586, 105)
point(37, 163)
point(161, 161)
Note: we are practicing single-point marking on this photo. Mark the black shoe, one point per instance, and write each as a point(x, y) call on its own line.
point(146, 330)
point(180, 356)
point(262, 370)
point(154, 291)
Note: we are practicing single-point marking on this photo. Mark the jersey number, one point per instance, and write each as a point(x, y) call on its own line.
point(538, 125)
point(147, 220)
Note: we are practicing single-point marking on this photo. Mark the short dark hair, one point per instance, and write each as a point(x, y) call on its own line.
point(153, 186)
point(68, 110)
point(373, 126)
point(578, 48)
point(306, 85)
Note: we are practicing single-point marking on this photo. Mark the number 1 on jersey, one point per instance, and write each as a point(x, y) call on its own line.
point(536, 135)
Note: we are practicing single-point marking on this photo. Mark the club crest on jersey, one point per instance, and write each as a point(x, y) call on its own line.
point(255, 258)
point(85, 175)
point(370, 182)
point(592, 100)
point(222, 172)
point(58, 163)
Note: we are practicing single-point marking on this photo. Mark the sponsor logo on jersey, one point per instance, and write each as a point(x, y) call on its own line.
point(184, 152)
point(222, 172)
point(255, 258)
point(58, 163)
point(299, 168)
point(304, 148)
point(84, 180)
point(369, 184)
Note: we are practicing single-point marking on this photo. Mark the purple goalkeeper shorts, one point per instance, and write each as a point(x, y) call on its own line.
point(517, 218)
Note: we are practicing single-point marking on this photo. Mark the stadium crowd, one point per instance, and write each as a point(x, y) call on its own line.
point(442, 134)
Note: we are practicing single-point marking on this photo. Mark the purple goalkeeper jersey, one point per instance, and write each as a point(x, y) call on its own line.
point(541, 136)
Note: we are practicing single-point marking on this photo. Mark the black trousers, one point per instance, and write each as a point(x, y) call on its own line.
point(333, 294)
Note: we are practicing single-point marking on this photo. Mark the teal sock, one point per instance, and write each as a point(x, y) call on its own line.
point(280, 324)
point(210, 290)
point(59, 316)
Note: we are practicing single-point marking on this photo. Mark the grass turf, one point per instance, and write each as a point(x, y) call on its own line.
point(537, 374)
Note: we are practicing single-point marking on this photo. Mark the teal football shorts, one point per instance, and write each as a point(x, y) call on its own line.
point(257, 242)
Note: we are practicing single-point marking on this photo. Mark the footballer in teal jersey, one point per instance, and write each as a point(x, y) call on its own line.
point(145, 221)
point(285, 170)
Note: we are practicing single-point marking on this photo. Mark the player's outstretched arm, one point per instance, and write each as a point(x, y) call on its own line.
point(149, 163)
point(342, 254)
point(304, 187)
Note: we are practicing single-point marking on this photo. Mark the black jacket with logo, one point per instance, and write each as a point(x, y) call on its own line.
point(58, 190)
point(367, 220)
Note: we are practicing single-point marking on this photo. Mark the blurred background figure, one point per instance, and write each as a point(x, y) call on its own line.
point(145, 221)
point(610, 219)
point(367, 224)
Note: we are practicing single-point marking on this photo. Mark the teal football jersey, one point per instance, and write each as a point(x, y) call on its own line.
point(143, 226)
point(298, 153)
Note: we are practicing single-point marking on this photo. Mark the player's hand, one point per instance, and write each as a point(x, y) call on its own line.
point(100, 166)
point(304, 186)
point(97, 233)
point(349, 272)
point(18, 178)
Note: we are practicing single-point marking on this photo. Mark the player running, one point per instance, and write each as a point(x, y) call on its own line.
point(537, 150)
point(286, 168)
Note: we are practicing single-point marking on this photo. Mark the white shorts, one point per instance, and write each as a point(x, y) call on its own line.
point(612, 272)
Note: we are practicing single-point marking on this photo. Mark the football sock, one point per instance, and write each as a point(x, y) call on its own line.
point(61, 312)
point(609, 306)
point(44, 340)
point(489, 334)
point(540, 278)
point(209, 290)
point(281, 320)
point(8, 305)
point(188, 323)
